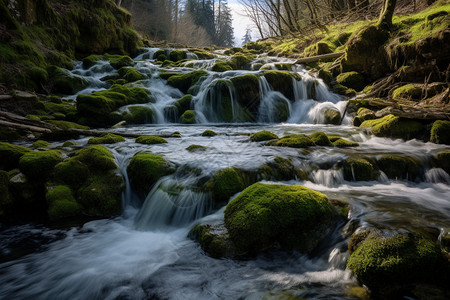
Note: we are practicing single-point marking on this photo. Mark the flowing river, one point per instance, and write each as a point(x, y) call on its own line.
point(145, 253)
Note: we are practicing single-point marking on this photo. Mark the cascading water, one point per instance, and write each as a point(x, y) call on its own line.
point(145, 253)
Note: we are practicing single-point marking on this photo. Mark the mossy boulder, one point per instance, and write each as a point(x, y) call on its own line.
point(280, 169)
point(72, 172)
point(40, 144)
point(213, 239)
point(97, 158)
point(326, 76)
point(343, 143)
point(208, 133)
point(317, 49)
point(37, 165)
point(408, 92)
point(225, 183)
point(195, 148)
point(184, 81)
point(320, 139)
point(183, 104)
point(293, 141)
point(332, 116)
point(343, 90)
point(119, 61)
point(440, 132)
point(61, 203)
point(138, 115)
point(362, 115)
point(247, 89)
point(67, 125)
point(130, 74)
point(90, 60)
point(65, 83)
point(282, 82)
point(188, 117)
point(146, 168)
point(69, 144)
point(393, 126)
point(263, 135)
point(107, 138)
point(221, 66)
point(10, 155)
point(150, 140)
point(358, 169)
point(292, 216)
point(395, 260)
point(399, 166)
point(176, 55)
point(352, 80)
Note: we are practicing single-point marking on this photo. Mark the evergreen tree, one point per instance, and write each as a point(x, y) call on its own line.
point(247, 37)
point(224, 29)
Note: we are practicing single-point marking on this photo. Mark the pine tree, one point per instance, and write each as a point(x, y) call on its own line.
point(247, 37)
point(224, 35)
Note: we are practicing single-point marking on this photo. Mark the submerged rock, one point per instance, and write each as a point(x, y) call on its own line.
point(208, 133)
point(293, 140)
point(359, 169)
point(399, 166)
point(107, 138)
point(150, 140)
point(264, 135)
point(264, 215)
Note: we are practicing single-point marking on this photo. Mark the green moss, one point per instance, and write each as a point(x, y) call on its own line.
point(98, 158)
point(64, 108)
point(216, 244)
point(194, 148)
point(332, 116)
point(208, 133)
point(61, 203)
point(134, 94)
point(40, 144)
point(443, 161)
point(281, 81)
point(440, 132)
point(69, 144)
point(291, 215)
point(282, 169)
point(320, 139)
point(317, 49)
point(146, 168)
point(221, 66)
point(325, 75)
point(184, 81)
point(343, 90)
point(176, 55)
point(119, 61)
point(381, 261)
point(188, 117)
point(408, 91)
point(247, 88)
point(139, 115)
point(90, 60)
point(150, 140)
point(71, 172)
point(201, 54)
point(224, 184)
point(399, 167)
point(362, 115)
point(37, 165)
point(107, 138)
point(392, 126)
point(65, 83)
point(67, 125)
point(294, 141)
point(10, 155)
point(263, 136)
point(183, 104)
point(241, 61)
point(130, 74)
point(352, 80)
point(343, 143)
point(358, 169)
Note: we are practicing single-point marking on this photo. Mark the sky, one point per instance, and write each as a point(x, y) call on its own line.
point(240, 22)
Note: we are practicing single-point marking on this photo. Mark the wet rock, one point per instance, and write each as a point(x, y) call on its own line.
point(440, 132)
point(261, 136)
point(399, 166)
point(150, 140)
point(393, 126)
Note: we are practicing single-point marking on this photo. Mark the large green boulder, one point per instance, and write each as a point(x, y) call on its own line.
point(139, 115)
point(320, 139)
point(225, 183)
point(188, 117)
point(263, 135)
point(184, 81)
point(10, 155)
point(399, 166)
point(176, 55)
point(440, 132)
point(65, 83)
point(221, 66)
point(407, 92)
point(358, 169)
point(352, 80)
point(264, 215)
point(97, 158)
point(332, 116)
point(119, 61)
point(294, 141)
point(282, 82)
point(183, 104)
point(150, 140)
point(247, 89)
point(37, 165)
point(130, 74)
point(385, 263)
point(393, 126)
point(146, 168)
point(72, 172)
point(61, 203)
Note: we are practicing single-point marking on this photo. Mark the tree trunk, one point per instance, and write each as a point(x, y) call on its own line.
point(387, 12)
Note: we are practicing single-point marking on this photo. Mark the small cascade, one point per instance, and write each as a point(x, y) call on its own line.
point(274, 107)
point(328, 178)
point(147, 54)
point(172, 203)
point(437, 175)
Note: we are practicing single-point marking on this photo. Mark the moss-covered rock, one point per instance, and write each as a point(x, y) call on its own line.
point(69, 144)
point(177, 55)
point(247, 89)
point(221, 66)
point(399, 166)
point(37, 165)
point(65, 83)
point(282, 82)
point(317, 49)
point(67, 125)
point(381, 262)
point(224, 184)
point(146, 168)
point(130, 74)
point(343, 90)
point(440, 132)
point(184, 81)
point(408, 92)
point(213, 239)
point(393, 126)
point(107, 138)
point(97, 158)
point(61, 203)
point(264, 135)
point(325, 75)
point(320, 139)
point(40, 144)
point(195, 148)
point(352, 80)
point(293, 216)
point(10, 155)
point(443, 161)
point(208, 133)
point(343, 143)
point(119, 61)
point(358, 169)
point(150, 140)
point(294, 141)
point(332, 116)
point(281, 169)
point(139, 115)
point(72, 172)
point(188, 117)
point(362, 115)
point(90, 60)
point(183, 104)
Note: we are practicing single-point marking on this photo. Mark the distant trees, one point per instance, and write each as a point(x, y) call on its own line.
point(247, 37)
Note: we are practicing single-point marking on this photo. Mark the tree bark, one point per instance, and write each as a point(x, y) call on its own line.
point(387, 12)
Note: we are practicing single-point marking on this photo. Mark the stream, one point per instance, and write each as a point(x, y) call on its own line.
point(145, 253)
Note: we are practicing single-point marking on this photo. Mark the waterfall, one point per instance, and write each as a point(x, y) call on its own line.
point(274, 107)
point(172, 203)
point(329, 178)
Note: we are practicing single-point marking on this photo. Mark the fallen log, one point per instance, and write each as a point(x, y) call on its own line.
point(319, 57)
